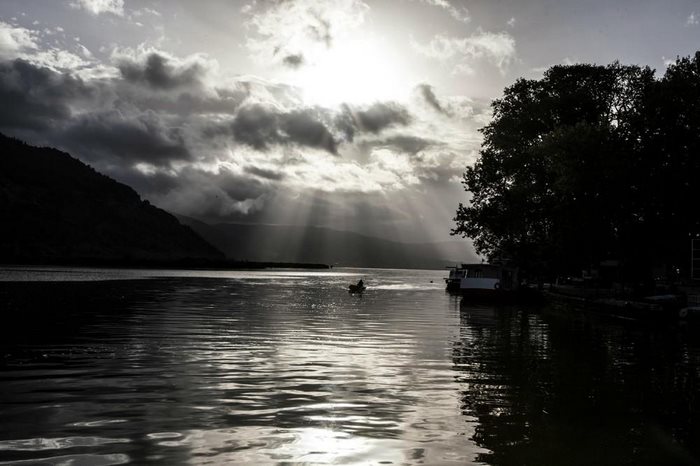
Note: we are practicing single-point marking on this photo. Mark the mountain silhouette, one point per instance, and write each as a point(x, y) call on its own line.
point(56, 209)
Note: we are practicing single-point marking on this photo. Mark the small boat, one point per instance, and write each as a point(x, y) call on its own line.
point(356, 288)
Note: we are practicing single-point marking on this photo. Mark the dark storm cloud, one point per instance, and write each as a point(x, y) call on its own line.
point(239, 187)
point(61, 109)
point(256, 126)
point(224, 195)
point(156, 81)
point(431, 99)
point(215, 196)
point(373, 119)
point(154, 183)
point(380, 116)
point(303, 128)
point(294, 60)
point(136, 138)
point(226, 184)
point(260, 127)
point(345, 123)
point(265, 173)
point(188, 103)
point(407, 143)
point(158, 72)
point(34, 97)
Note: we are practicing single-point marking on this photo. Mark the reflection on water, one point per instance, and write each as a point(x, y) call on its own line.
point(244, 367)
point(549, 387)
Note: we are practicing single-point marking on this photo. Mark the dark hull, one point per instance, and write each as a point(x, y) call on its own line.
point(484, 296)
point(489, 296)
point(452, 285)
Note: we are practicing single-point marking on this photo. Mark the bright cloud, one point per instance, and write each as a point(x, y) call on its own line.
point(60, 59)
point(496, 48)
point(300, 29)
point(97, 7)
point(18, 42)
point(458, 13)
point(322, 48)
point(668, 61)
point(15, 40)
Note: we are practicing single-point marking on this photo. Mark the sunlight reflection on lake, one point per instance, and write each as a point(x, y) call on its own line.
point(181, 367)
point(237, 366)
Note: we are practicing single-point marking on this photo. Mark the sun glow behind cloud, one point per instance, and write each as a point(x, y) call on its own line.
point(328, 50)
point(356, 70)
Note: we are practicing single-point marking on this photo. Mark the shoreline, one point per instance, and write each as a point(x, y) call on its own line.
point(184, 264)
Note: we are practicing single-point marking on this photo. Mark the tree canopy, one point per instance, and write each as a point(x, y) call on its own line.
point(589, 163)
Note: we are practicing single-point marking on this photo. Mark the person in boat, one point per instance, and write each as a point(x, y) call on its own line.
point(360, 284)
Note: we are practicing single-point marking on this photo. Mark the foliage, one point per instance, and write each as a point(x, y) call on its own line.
point(586, 164)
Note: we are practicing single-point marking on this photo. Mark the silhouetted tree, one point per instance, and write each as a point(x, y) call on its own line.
point(589, 163)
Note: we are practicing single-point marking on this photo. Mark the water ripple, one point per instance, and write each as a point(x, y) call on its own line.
point(74, 460)
point(288, 367)
point(38, 444)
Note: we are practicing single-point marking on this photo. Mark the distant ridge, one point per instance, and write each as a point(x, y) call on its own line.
point(56, 209)
point(313, 244)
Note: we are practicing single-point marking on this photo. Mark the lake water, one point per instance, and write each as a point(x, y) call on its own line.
point(286, 367)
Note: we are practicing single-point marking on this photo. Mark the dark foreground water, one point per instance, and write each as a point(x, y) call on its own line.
point(288, 368)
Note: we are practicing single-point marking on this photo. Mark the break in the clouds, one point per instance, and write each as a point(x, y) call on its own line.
point(377, 117)
point(136, 138)
point(160, 71)
point(262, 127)
point(294, 60)
point(428, 93)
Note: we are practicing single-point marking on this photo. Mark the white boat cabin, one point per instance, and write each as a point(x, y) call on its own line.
point(486, 277)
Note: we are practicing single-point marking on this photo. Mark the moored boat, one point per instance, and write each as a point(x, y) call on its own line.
point(483, 280)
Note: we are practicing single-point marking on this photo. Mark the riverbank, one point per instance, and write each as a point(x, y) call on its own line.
point(614, 302)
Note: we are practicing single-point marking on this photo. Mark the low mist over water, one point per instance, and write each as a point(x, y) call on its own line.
point(287, 367)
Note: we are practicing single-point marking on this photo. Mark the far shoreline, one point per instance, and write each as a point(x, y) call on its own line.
point(182, 264)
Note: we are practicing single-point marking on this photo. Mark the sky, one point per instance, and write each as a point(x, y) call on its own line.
point(355, 115)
